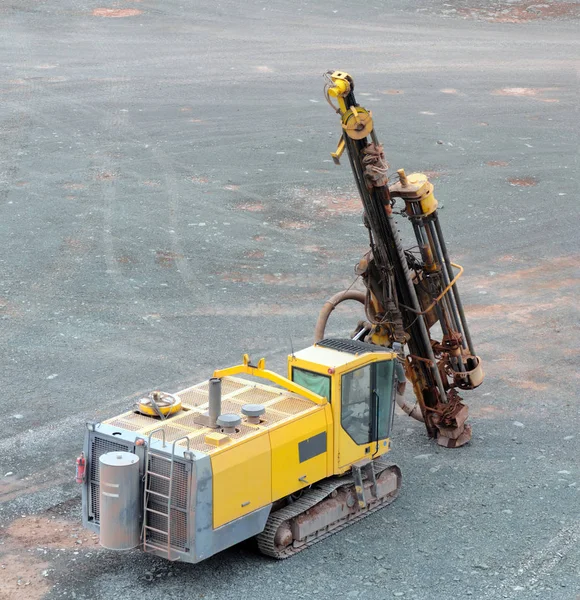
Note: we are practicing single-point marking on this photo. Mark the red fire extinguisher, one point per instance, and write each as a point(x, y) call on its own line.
point(81, 468)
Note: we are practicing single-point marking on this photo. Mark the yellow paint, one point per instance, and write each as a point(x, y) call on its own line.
point(241, 479)
point(261, 371)
point(216, 439)
point(146, 408)
point(288, 473)
point(429, 203)
point(319, 359)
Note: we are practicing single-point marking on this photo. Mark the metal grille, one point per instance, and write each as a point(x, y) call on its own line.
point(132, 421)
point(178, 526)
point(161, 486)
point(271, 416)
point(242, 431)
point(171, 433)
point(193, 397)
point(228, 386)
point(188, 420)
point(198, 443)
point(291, 406)
point(99, 446)
point(351, 346)
point(256, 396)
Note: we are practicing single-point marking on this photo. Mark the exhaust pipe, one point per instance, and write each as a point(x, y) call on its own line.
point(215, 401)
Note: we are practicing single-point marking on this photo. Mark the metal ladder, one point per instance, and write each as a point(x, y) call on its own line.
point(149, 476)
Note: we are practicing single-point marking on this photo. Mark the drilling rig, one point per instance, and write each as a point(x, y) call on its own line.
point(408, 291)
point(293, 459)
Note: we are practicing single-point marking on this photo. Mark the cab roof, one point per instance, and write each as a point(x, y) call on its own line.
point(338, 352)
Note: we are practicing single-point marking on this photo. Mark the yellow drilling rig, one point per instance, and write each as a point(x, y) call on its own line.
point(293, 459)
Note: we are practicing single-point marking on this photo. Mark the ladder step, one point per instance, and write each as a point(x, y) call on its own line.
point(157, 494)
point(161, 456)
point(159, 475)
point(166, 533)
point(157, 512)
point(149, 545)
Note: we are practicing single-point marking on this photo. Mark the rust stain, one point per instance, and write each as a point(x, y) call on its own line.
point(75, 245)
point(254, 254)
point(258, 238)
point(523, 11)
point(166, 258)
point(392, 92)
point(126, 260)
point(8, 308)
point(253, 310)
point(186, 109)
point(151, 183)
point(200, 179)
point(448, 91)
point(555, 266)
point(22, 577)
point(497, 163)
point(319, 250)
point(326, 203)
point(74, 186)
point(196, 121)
point(69, 197)
point(433, 174)
point(523, 181)
point(526, 93)
point(288, 224)
point(35, 531)
point(116, 13)
point(235, 277)
point(528, 385)
point(486, 412)
point(250, 206)
point(106, 176)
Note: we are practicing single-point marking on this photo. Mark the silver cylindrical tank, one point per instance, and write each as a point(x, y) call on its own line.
point(120, 500)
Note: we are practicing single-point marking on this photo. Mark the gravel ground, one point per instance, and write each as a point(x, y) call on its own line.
point(168, 202)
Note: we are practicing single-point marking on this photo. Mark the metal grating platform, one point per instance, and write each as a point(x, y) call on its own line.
point(279, 403)
point(351, 346)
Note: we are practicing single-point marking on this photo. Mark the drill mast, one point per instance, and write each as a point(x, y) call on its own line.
point(407, 292)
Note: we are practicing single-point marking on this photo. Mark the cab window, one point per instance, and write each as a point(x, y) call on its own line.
point(315, 382)
point(367, 402)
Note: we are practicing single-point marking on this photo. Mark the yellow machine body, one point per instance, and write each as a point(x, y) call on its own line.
point(299, 440)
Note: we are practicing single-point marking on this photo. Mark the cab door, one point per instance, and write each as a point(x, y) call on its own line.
point(366, 411)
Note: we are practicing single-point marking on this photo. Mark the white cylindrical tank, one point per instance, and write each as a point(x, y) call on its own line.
point(119, 497)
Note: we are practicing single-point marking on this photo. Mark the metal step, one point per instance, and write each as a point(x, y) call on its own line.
point(149, 528)
point(158, 475)
point(148, 491)
point(157, 512)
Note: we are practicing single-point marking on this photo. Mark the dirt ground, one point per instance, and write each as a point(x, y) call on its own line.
point(168, 202)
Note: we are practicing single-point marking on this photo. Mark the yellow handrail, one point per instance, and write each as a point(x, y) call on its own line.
point(451, 284)
point(260, 370)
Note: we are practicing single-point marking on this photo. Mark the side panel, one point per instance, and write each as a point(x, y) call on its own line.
point(299, 454)
point(242, 480)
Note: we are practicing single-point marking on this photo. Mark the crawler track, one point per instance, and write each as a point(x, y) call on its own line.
point(318, 493)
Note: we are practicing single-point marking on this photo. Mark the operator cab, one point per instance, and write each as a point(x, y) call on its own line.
point(358, 380)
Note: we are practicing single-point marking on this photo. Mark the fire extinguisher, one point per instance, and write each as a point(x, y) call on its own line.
point(81, 468)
